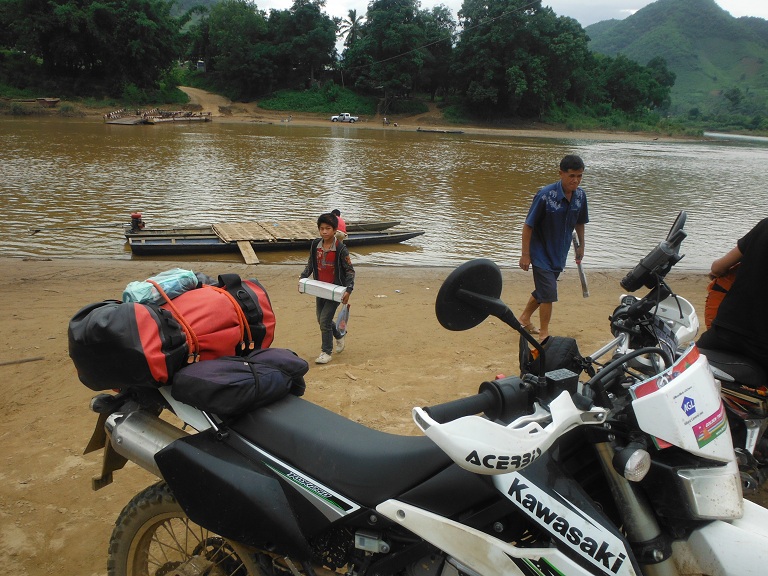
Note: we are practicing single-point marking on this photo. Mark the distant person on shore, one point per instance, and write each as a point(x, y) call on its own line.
point(556, 211)
point(329, 261)
point(741, 322)
point(341, 231)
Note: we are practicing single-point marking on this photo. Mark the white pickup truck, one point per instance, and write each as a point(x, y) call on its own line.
point(345, 117)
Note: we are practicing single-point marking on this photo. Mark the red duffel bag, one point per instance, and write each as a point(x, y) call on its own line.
point(118, 344)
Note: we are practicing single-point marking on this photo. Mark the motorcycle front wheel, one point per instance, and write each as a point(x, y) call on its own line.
point(153, 537)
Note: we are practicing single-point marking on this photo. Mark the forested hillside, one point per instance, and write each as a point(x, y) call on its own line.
point(674, 62)
point(721, 62)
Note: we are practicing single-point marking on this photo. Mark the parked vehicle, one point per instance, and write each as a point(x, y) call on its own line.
point(556, 477)
point(345, 117)
point(666, 320)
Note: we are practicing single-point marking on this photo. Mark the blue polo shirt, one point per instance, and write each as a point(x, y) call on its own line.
point(553, 219)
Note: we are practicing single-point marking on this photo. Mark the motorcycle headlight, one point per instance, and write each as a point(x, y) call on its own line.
point(632, 462)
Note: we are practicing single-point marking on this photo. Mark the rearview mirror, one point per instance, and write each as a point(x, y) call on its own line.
point(469, 295)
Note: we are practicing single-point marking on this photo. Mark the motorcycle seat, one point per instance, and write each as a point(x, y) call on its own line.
point(366, 465)
point(743, 369)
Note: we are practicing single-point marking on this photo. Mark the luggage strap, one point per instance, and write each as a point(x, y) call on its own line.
point(234, 285)
point(246, 338)
point(194, 348)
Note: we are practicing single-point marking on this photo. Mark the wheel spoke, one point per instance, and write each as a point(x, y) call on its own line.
point(153, 537)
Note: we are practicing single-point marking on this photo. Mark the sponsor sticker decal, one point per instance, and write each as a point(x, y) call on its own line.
point(502, 461)
point(688, 406)
point(711, 427)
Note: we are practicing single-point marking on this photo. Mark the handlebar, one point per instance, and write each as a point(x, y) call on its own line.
point(455, 409)
point(503, 399)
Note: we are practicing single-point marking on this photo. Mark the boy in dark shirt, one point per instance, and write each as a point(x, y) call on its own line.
point(329, 261)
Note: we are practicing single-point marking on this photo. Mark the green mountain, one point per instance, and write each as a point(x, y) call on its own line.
point(721, 62)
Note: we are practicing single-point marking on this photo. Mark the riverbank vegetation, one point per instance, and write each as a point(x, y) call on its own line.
point(501, 62)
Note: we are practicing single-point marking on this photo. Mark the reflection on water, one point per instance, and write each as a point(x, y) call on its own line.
point(78, 181)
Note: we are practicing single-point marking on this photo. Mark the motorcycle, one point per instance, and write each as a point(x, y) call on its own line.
point(667, 320)
point(539, 475)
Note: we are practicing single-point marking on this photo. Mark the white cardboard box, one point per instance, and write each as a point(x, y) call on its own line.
point(322, 289)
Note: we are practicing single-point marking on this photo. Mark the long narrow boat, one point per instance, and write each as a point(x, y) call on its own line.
point(190, 231)
point(211, 244)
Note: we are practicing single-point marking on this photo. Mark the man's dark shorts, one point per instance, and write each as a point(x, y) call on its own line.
point(545, 285)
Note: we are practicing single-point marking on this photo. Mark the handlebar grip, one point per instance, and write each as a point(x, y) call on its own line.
point(482, 402)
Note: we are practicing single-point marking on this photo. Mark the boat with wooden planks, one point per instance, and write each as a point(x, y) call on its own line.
point(190, 231)
point(155, 116)
point(252, 237)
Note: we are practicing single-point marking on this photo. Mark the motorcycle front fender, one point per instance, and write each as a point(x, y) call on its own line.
point(727, 548)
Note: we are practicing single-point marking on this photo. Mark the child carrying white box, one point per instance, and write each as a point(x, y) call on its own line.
point(329, 263)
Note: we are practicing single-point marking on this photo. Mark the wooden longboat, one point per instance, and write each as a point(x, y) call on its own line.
point(212, 244)
point(438, 131)
point(192, 231)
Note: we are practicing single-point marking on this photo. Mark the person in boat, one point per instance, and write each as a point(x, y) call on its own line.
point(341, 231)
point(741, 322)
point(556, 211)
point(329, 261)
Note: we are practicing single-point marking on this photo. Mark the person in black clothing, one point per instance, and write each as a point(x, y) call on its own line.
point(329, 261)
point(741, 322)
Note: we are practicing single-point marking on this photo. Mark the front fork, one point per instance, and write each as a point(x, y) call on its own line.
point(652, 548)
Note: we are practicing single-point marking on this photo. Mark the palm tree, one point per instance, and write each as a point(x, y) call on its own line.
point(350, 27)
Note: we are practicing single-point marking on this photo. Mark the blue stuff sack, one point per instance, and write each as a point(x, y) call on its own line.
point(174, 282)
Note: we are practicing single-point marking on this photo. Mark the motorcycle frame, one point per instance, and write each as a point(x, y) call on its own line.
point(469, 550)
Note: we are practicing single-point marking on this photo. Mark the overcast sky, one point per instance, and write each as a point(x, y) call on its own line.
point(585, 11)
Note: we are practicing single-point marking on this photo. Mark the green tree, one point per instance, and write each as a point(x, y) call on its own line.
point(305, 39)
point(439, 31)
point(387, 56)
point(665, 79)
point(734, 96)
point(240, 57)
point(349, 28)
point(113, 42)
point(631, 87)
point(516, 58)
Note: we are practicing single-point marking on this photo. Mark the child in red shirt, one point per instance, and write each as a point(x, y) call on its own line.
point(329, 261)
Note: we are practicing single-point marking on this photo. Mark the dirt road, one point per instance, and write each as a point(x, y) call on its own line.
point(209, 102)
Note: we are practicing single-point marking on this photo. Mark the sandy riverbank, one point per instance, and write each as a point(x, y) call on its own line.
point(224, 110)
point(397, 356)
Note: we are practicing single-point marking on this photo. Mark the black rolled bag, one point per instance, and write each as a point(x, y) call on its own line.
point(116, 345)
point(233, 385)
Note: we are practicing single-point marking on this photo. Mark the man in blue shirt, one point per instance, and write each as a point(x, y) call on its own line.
point(555, 212)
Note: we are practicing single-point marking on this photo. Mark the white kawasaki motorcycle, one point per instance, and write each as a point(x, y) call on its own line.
point(540, 475)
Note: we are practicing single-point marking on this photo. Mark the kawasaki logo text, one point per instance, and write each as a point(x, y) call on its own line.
point(597, 550)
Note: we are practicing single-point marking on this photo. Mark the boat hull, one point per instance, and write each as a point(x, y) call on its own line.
point(169, 246)
point(189, 231)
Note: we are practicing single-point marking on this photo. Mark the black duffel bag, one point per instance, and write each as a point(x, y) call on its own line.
point(237, 384)
point(560, 352)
